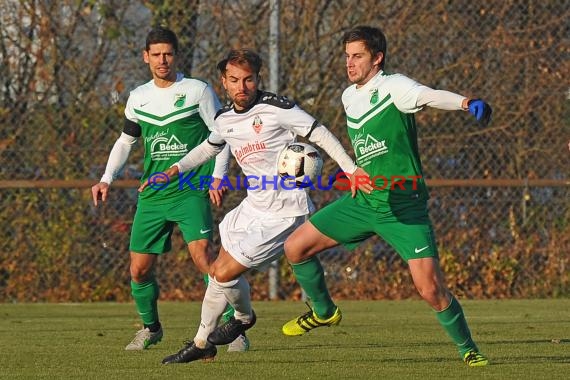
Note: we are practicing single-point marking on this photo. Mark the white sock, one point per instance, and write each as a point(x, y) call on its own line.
point(213, 306)
point(238, 295)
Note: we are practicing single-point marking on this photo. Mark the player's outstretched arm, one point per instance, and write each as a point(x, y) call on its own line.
point(447, 100)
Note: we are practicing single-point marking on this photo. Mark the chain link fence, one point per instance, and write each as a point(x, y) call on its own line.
point(500, 195)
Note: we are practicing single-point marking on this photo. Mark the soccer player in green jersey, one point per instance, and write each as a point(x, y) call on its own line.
point(171, 114)
point(380, 111)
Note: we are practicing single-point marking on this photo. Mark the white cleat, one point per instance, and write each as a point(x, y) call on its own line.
point(240, 344)
point(143, 339)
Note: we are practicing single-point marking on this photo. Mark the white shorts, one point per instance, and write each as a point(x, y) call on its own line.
point(255, 239)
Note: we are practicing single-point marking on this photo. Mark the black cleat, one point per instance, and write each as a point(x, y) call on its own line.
point(229, 331)
point(190, 353)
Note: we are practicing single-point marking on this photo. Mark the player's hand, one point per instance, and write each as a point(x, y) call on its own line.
point(360, 180)
point(100, 188)
point(170, 172)
point(217, 192)
point(481, 110)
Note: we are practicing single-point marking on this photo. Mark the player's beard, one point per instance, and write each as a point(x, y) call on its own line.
point(244, 101)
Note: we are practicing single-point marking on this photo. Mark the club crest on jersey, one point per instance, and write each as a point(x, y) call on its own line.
point(373, 96)
point(257, 124)
point(179, 100)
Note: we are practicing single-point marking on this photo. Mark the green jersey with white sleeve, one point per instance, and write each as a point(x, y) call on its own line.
point(382, 129)
point(173, 121)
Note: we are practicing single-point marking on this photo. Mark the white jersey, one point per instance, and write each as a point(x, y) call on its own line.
point(256, 137)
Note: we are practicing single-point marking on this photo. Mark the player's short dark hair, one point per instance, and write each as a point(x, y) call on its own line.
point(372, 37)
point(241, 57)
point(161, 35)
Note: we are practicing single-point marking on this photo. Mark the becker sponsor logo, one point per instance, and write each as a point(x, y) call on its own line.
point(162, 148)
point(243, 152)
point(367, 146)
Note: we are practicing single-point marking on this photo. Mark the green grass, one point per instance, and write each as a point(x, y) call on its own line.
point(377, 339)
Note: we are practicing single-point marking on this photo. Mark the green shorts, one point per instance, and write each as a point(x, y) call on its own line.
point(406, 227)
point(153, 224)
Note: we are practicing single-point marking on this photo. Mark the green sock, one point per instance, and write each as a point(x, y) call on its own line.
point(145, 295)
point(229, 312)
point(453, 322)
point(311, 276)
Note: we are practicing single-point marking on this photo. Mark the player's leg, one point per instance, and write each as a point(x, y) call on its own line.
point(150, 236)
point(193, 215)
point(301, 249)
point(241, 343)
point(145, 292)
point(409, 230)
point(199, 250)
point(428, 279)
point(343, 221)
point(228, 279)
point(213, 305)
point(229, 312)
point(197, 229)
point(251, 240)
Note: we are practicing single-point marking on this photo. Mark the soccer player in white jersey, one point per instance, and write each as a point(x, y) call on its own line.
point(257, 127)
point(172, 114)
point(380, 111)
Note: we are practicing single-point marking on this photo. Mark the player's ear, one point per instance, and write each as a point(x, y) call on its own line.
point(378, 59)
point(145, 56)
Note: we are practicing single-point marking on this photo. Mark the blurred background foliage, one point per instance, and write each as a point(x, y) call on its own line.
point(67, 68)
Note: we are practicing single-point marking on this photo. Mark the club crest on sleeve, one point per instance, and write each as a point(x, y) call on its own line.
point(257, 124)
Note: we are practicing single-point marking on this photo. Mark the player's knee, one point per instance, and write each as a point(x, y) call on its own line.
point(226, 284)
point(139, 277)
point(223, 277)
point(222, 274)
point(430, 292)
point(297, 249)
point(140, 274)
point(293, 253)
point(199, 247)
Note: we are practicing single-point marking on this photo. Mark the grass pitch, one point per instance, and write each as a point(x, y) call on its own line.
point(524, 339)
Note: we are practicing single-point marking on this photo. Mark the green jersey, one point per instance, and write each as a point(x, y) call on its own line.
point(173, 121)
point(382, 129)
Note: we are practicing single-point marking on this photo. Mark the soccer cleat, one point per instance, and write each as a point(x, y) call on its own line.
point(230, 331)
point(144, 338)
point(475, 359)
point(240, 344)
point(190, 353)
point(309, 321)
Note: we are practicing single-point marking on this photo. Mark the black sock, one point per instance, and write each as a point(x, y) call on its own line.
point(154, 327)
